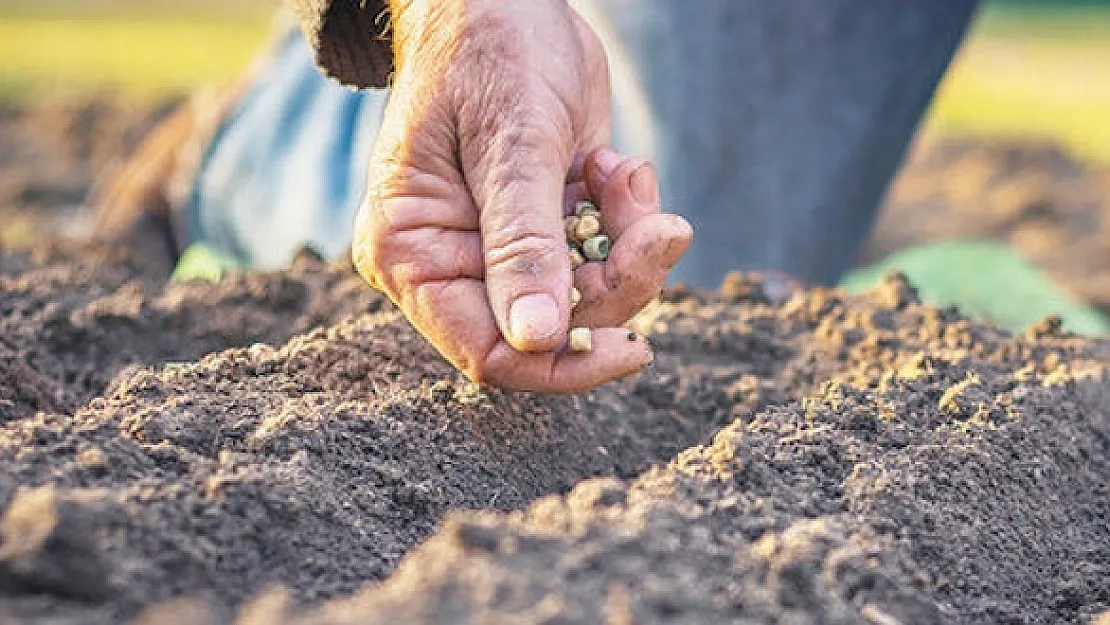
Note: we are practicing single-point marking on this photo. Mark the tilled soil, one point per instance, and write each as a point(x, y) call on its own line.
point(284, 449)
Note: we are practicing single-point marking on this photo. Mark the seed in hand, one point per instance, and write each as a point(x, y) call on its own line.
point(580, 340)
point(596, 248)
point(584, 238)
point(586, 207)
point(576, 258)
point(570, 226)
point(587, 227)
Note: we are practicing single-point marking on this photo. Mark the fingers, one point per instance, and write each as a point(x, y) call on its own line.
point(626, 189)
point(463, 330)
point(600, 166)
point(435, 276)
point(519, 191)
point(462, 225)
point(521, 140)
point(637, 268)
point(616, 353)
point(443, 255)
point(646, 243)
point(399, 245)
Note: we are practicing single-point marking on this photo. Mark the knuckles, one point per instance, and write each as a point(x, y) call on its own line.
point(530, 255)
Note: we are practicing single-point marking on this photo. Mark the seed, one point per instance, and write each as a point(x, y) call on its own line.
point(576, 258)
point(596, 248)
point(587, 228)
point(570, 226)
point(585, 206)
point(575, 297)
point(580, 340)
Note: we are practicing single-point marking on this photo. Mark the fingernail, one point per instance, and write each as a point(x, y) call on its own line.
point(607, 160)
point(534, 318)
point(645, 187)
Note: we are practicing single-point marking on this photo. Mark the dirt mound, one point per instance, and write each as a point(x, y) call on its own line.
point(76, 318)
point(874, 461)
point(316, 464)
point(949, 473)
point(953, 493)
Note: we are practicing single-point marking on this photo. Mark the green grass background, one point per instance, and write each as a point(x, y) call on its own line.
point(138, 51)
point(138, 58)
point(1033, 71)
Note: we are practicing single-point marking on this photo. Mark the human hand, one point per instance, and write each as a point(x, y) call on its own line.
point(493, 128)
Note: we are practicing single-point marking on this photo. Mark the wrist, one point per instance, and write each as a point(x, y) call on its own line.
point(438, 26)
point(416, 24)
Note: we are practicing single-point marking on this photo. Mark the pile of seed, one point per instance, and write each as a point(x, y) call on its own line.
point(587, 243)
point(584, 235)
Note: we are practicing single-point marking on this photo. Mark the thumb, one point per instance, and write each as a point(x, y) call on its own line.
point(518, 186)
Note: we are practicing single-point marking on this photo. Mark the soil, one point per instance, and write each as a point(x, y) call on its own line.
point(283, 448)
point(53, 153)
point(874, 461)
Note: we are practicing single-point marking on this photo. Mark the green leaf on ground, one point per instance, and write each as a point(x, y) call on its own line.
point(200, 262)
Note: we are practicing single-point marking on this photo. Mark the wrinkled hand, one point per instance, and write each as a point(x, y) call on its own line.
point(495, 126)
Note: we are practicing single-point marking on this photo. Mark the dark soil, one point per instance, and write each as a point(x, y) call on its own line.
point(876, 462)
point(948, 473)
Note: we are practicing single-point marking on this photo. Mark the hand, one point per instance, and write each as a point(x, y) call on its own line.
point(494, 125)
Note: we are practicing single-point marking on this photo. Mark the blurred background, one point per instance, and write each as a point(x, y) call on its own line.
point(1030, 69)
point(1016, 148)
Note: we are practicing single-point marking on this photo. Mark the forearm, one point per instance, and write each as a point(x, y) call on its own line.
point(349, 38)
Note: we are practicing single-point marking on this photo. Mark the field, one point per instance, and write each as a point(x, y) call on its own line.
point(1033, 74)
point(282, 448)
point(65, 49)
